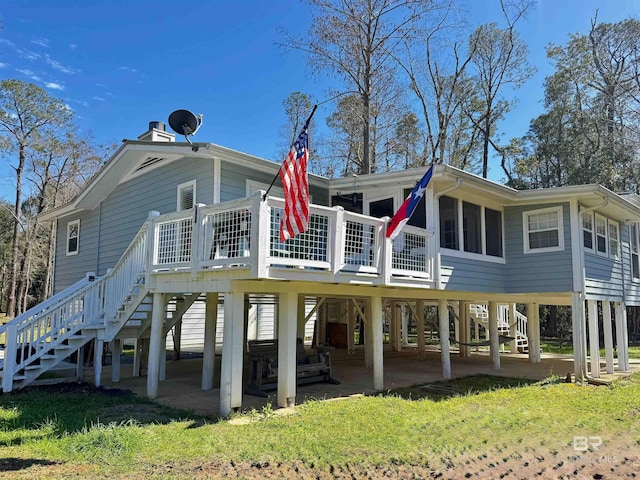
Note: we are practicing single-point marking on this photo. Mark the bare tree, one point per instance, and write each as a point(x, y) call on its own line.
point(26, 112)
point(500, 60)
point(356, 40)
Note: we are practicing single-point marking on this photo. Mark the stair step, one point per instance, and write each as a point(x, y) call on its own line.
point(32, 367)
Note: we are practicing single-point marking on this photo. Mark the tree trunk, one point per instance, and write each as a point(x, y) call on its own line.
point(11, 293)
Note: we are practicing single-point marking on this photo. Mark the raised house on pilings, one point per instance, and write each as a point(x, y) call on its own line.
point(171, 245)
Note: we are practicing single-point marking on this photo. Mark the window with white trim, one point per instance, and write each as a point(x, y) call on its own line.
point(635, 255)
point(470, 228)
point(614, 239)
point(73, 237)
point(587, 230)
point(543, 230)
point(601, 235)
point(186, 195)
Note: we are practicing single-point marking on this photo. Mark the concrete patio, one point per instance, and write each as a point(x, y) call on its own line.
point(181, 389)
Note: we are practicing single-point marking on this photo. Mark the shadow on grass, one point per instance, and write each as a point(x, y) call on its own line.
point(72, 407)
point(15, 464)
point(445, 389)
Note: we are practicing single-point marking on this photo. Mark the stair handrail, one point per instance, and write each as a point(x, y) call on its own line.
point(127, 271)
point(49, 303)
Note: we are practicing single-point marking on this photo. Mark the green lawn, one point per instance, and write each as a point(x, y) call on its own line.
point(87, 432)
point(552, 346)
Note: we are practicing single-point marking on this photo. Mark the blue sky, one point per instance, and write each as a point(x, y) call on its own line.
point(120, 64)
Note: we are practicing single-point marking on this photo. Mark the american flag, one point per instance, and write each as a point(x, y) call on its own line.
point(293, 175)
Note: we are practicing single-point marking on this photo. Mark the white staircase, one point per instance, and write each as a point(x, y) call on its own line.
point(93, 308)
point(480, 314)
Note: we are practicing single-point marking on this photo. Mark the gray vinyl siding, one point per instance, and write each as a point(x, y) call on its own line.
point(128, 206)
point(631, 286)
point(471, 275)
point(603, 277)
point(71, 268)
point(536, 272)
point(234, 183)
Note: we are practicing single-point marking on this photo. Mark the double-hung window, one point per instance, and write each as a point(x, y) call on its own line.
point(587, 230)
point(601, 235)
point(73, 237)
point(543, 230)
point(635, 254)
point(614, 239)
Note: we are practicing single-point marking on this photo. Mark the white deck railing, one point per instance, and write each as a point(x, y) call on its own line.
point(245, 234)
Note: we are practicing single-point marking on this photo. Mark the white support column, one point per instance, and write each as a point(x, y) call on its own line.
point(404, 326)
point(608, 335)
point(579, 336)
point(513, 324)
point(80, 364)
point(420, 327)
point(351, 315)
point(375, 332)
point(177, 339)
point(137, 357)
point(494, 341)
point(97, 361)
point(287, 329)
point(395, 329)
point(301, 316)
point(116, 356)
point(533, 331)
point(209, 353)
point(232, 353)
point(622, 337)
point(368, 335)
point(155, 344)
point(443, 332)
point(594, 339)
point(465, 328)
point(162, 375)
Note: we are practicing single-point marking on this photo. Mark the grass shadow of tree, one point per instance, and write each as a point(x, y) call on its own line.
point(444, 389)
point(72, 407)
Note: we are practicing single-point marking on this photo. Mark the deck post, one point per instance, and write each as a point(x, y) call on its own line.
point(80, 365)
point(608, 335)
point(405, 312)
point(420, 328)
point(287, 337)
point(375, 332)
point(232, 353)
point(209, 352)
point(622, 337)
point(301, 316)
point(137, 356)
point(162, 374)
point(533, 331)
point(494, 341)
point(155, 345)
point(594, 338)
point(177, 339)
point(395, 329)
point(443, 332)
point(465, 328)
point(98, 351)
point(368, 335)
point(351, 312)
point(579, 336)
point(513, 327)
point(116, 356)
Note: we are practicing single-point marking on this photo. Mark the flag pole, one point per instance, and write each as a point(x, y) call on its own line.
point(278, 174)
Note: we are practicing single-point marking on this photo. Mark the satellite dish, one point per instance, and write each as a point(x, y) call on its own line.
point(183, 122)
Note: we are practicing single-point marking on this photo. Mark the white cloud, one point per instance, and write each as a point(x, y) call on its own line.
point(58, 66)
point(4, 41)
point(101, 85)
point(30, 74)
point(128, 69)
point(43, 42)
point(73, 46)
point(54, 86)
point(100, 99)
point(28, 54)
point(3, 65)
